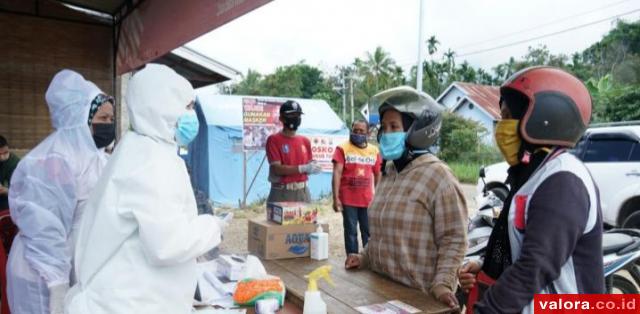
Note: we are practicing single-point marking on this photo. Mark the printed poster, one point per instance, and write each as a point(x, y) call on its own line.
point(323, 147)
point(259, 120)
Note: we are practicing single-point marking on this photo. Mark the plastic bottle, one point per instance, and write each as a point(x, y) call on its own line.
point(319, 245)
point(313, 303)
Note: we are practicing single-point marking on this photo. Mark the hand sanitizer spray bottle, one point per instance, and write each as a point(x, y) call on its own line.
point(313, 303)
point(319, 244)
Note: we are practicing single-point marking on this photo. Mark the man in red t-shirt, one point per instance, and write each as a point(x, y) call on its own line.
point(356, 171)
point(290, 159)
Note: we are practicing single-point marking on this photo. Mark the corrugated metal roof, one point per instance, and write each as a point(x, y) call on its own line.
point(488, 97)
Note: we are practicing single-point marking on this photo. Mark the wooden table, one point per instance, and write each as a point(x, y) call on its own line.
point(353, 288)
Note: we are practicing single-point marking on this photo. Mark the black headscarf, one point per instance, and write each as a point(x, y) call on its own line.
point(498, 255)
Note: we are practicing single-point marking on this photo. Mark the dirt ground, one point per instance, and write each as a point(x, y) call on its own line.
point(235, 235)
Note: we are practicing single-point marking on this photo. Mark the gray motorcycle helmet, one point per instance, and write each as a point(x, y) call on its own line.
point(425, 111)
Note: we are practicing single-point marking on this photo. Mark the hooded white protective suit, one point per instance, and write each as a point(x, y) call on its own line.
point(140, 235)
point(48, 189)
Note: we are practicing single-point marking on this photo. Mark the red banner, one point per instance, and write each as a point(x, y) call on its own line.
point(156, 27)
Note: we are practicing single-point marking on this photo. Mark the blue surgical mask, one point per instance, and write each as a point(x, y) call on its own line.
point(187, 128)
point(392, 145)
point(358, 139)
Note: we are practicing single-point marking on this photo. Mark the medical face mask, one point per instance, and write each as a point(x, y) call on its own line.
point(358, 139)
point(103, 134)
point(187, 128)
point(508, 140)
point(292, 123)
point(392, 145)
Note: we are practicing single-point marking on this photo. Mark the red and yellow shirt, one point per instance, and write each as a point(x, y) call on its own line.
point(360, 166)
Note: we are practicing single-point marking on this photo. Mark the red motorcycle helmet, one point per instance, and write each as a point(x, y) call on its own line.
point(559, 105)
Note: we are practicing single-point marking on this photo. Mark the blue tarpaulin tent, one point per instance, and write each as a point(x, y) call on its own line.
point(216, 157)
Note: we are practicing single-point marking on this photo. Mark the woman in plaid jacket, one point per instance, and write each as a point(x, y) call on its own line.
point(418, 216)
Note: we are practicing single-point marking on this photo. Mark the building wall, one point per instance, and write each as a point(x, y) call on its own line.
point(32, 50)
point(451, 99)
point(470, 111)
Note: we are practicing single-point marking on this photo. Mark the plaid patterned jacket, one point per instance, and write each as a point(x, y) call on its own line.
point(418, 223)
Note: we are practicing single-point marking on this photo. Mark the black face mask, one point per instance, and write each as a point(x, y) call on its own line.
point(292, 123)
point(103, 134)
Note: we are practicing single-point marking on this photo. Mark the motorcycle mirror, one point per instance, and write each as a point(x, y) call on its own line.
point(482, 174)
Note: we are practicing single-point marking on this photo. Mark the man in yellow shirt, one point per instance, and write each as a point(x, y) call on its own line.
point(356, 171)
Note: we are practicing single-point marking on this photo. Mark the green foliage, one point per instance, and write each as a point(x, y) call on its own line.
point(250, 85)
point(625, 106)
point(461, 141)
point(610, 68)
point(465, 172)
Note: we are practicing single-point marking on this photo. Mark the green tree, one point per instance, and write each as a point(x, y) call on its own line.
point(460, 139)
point(625, 106)
point(249, 85)
point(378, 66)
point(432, 45)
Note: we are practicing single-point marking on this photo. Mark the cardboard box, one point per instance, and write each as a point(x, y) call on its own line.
point(269, 240)
point(291, 213)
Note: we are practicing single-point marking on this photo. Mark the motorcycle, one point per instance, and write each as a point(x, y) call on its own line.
point(481, 224)
point(620, 247)
point(621, 252)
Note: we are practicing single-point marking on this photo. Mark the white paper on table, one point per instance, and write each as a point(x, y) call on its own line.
point(218, 311)
point(391, 307)
point(208, 293)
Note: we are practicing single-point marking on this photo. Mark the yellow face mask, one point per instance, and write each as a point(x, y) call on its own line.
point(508, 140)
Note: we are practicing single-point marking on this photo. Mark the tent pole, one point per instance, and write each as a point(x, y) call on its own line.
point(244, 179)
point(255, 177)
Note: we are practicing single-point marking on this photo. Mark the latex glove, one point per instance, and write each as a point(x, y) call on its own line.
point(224, 220)
point(310, 168)
point(56, 298)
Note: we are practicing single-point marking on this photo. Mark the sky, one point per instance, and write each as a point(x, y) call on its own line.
point(329, 33)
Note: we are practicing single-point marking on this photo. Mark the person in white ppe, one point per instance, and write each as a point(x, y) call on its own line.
point(141, 233)
point(48, 190)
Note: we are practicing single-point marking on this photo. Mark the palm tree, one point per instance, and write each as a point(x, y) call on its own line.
point(379, 64)
point(432, 45)
point(451, 62)
point(398, 76)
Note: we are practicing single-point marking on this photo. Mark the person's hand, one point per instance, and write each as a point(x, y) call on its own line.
point(449, 299)
point(311, 168)
point(467, 275)
point(353, 261)
point(337, 206)
point(224, 221)
point(56, 298)
point(3, 190)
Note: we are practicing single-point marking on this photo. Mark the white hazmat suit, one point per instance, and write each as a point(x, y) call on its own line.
point(48, 189)
point(140, 235)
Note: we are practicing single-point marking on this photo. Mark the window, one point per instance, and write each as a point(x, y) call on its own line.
point(635, 154)
point(470, 106)
point(578, 151)
point(608, 150)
